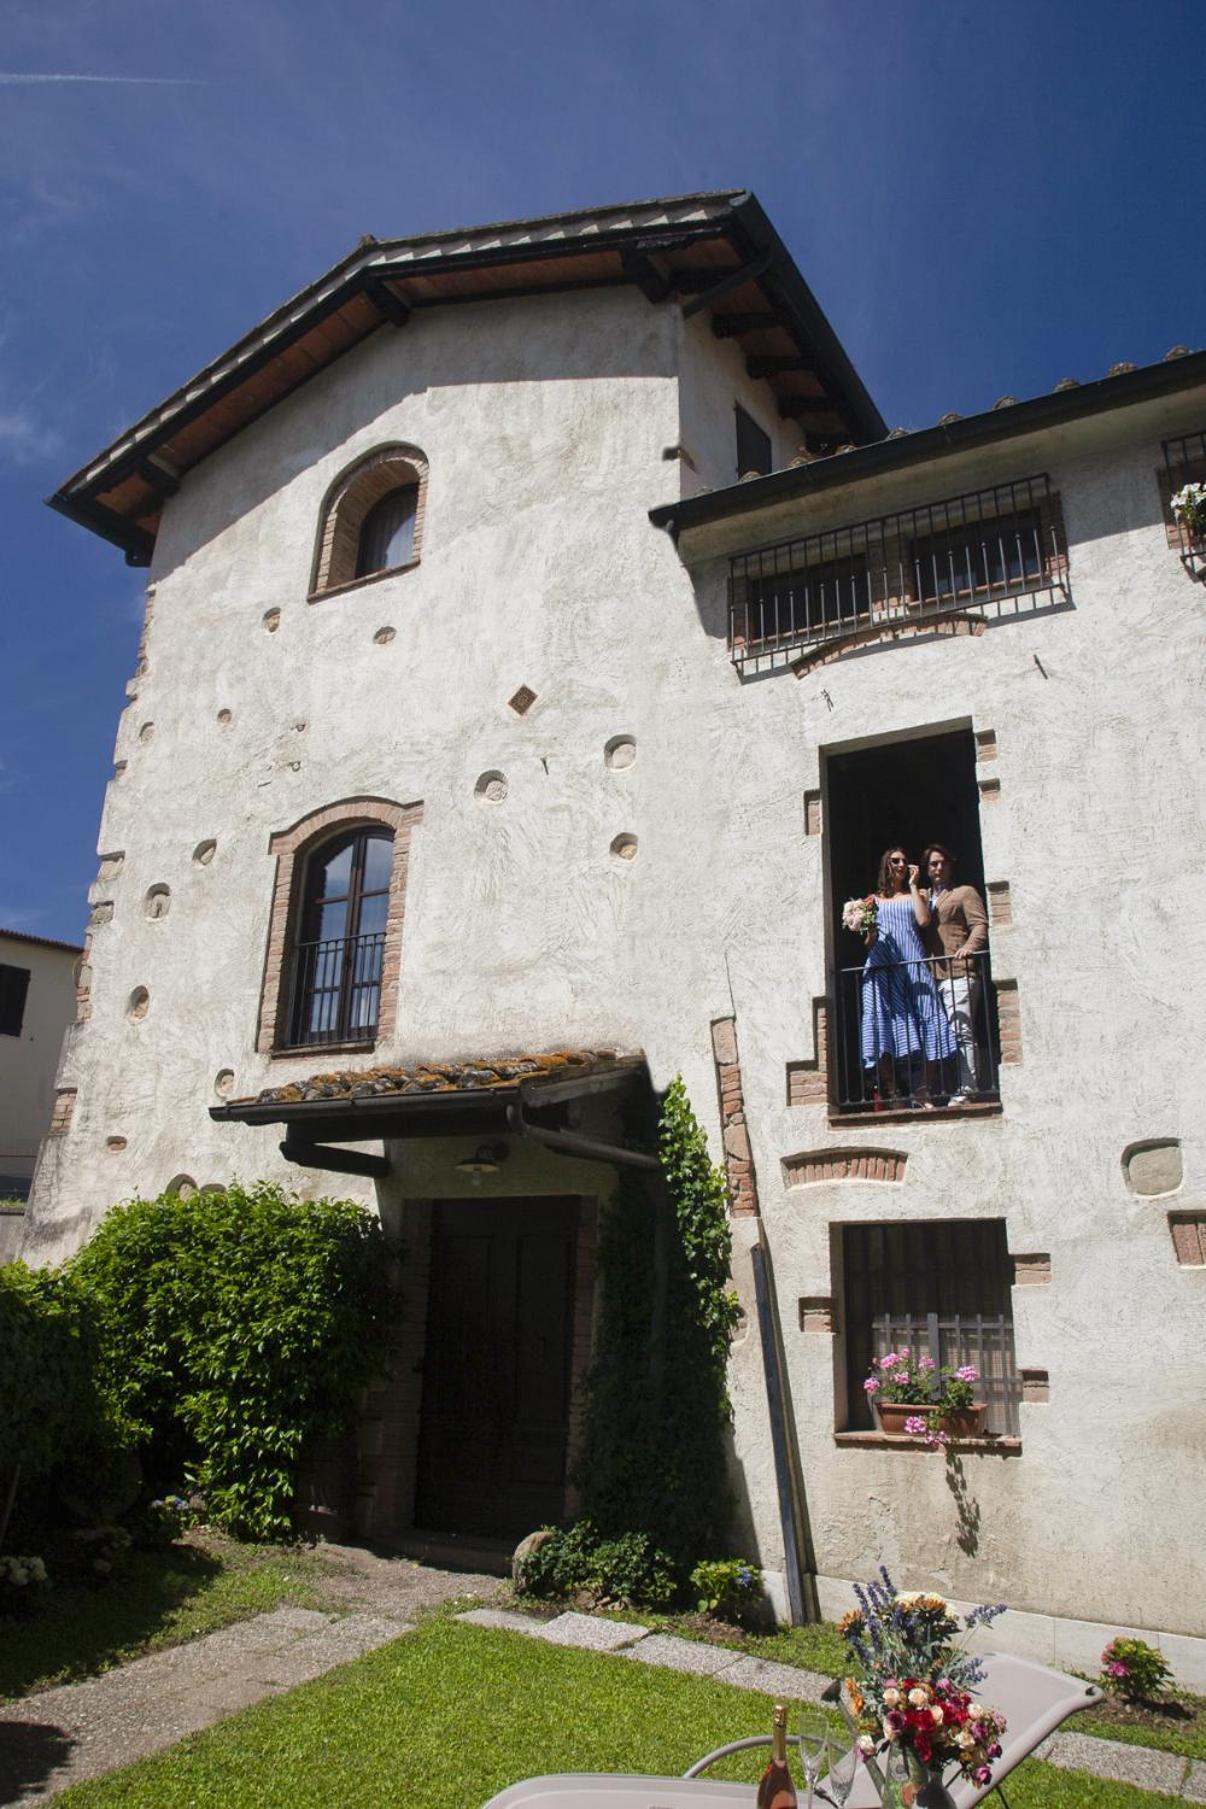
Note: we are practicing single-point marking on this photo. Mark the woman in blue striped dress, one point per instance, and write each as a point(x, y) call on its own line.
point(905, 1033)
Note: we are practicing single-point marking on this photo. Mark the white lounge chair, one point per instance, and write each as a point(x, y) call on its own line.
point(1033, 1699)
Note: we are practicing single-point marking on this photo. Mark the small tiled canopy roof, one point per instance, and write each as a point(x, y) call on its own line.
point(412, 1080)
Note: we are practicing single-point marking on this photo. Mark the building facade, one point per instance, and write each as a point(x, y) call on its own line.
point(37, 1002)
point(544, 637)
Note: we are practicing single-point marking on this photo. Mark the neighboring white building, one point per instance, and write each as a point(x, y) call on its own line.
point(37, 1002)
point(440, 751)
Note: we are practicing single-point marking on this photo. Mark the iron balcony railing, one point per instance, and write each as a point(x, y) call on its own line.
point(988, 553)
point(336, 990)
point(1185, 463)
point(909, 1035)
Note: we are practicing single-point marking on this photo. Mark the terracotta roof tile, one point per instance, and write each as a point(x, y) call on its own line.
point(482, 1073)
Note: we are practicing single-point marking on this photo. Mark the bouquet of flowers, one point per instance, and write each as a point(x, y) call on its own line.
point(1189, 507)
point(860, 914)
point(914, 1688)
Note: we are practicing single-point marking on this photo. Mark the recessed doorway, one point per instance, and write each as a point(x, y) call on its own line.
point(497, 1366)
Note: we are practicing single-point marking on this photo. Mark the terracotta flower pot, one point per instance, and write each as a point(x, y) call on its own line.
point(968, 1422)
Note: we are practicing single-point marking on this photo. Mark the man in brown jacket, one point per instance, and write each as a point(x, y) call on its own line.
point(958, 929)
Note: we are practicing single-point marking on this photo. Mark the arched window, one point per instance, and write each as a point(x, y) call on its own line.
point(372, 520)
point(387, 537)
point(334, 952)
point(339, 953)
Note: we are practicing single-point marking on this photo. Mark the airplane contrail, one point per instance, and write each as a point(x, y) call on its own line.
point(14, 78)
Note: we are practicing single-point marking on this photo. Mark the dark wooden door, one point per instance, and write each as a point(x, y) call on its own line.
point(496, 1369)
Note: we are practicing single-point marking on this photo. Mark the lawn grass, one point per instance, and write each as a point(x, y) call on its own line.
point(453, 1713)
point(1177, 1725)
point(159, 1599)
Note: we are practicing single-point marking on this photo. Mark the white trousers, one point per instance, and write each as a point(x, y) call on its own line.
point(961, 1002)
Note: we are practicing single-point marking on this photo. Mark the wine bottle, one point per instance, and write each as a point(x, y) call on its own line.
point(776, 1790)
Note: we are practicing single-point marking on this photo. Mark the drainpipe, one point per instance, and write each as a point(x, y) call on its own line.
point(793, 1513)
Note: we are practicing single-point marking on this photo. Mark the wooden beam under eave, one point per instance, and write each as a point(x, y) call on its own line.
point(384, 298)
point(775, 365)
point(736, 326)
point(641, 269)
point(800, 408)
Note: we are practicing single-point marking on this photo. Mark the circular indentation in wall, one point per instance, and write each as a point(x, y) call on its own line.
point(620, 752)
point(271, 620)
point(181, 1187)
point(115, 1144)
point(1153, 1166)
point(225, 717)
point(157, 902)
point(147, 732)
point(384, 636)
point(492, 786)
point(224, 1082)
point(138, 1004)
point(204, 852)
point(624, 847)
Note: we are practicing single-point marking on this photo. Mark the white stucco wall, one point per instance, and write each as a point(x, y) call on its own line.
point(28, 1061)
point(545, 423)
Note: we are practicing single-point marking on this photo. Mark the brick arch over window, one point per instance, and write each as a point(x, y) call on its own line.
point(292, 848)
point(348, 504)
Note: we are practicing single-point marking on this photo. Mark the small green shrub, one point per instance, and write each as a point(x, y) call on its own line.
point(23, 1580)
point(632, 1571)
point(234, 1328)
point(1132, 1669)
point(729, 1588)
point(575, 1560)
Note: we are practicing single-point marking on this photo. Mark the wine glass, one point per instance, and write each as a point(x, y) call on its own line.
point(814, 1745)
point(843, 1767)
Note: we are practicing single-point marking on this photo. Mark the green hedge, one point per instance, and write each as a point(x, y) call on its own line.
point(233, 1328)
point(49, 1404)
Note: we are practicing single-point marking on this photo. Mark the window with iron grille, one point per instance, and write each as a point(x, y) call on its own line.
point(1184, 463)
point(807, 602)
point(14, 985)
point(939, 1287)
point(338, 957)
point(753, 444)
point(989, 557)
point(992, 553)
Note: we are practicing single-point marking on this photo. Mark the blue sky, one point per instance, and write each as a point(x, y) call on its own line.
point(985, 197)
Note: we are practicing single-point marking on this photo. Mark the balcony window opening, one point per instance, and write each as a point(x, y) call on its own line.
point(913, 1025)
point(939, 1288)
point(339, 955)
point(387, 536)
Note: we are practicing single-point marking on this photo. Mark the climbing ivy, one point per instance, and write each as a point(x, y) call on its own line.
point(657, 1403)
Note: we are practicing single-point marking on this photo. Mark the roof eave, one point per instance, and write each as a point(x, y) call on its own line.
point(1146, 384)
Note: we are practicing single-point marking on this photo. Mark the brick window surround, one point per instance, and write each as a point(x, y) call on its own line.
point(292, 847)
point(346, 505)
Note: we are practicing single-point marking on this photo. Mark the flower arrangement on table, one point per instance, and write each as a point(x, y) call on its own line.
point(913, 1694)
point(902, 1379)
point(861, 914)
point(1189, 507)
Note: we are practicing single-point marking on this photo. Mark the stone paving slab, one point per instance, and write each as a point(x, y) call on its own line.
point(775, 1680)
point(1194, 1787)
point(682, 1654)
point(592, 1633)
point(1142, 1766)
point(82, 1730)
